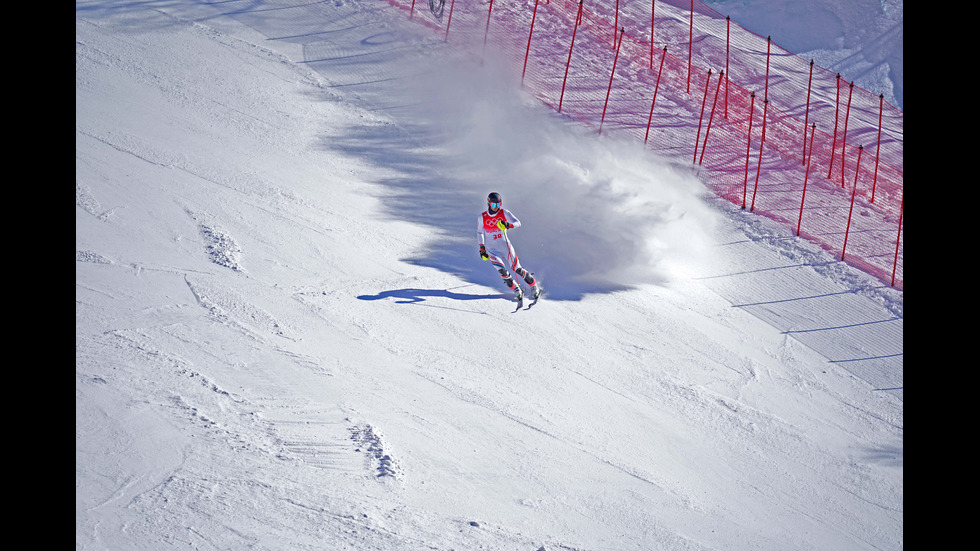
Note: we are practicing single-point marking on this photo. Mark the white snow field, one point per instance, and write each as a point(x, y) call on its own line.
point(285, 338)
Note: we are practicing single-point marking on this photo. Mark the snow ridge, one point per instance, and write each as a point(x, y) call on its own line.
point(367, 437)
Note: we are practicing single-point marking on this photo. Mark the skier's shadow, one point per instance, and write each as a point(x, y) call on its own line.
point(409, 296)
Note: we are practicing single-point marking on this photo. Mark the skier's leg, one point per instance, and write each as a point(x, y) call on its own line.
point(514, 265)
point(508, 280)
point(528, 278)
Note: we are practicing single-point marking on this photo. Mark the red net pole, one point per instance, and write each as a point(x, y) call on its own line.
point(653, 21)
point(758, 170)
point(843, 141)
point(486, 32)
point(728, 33)
point(881, 108)
point(748, 148)
point(765, 96)
point(806, 118)
point(806, 176)
point(833, 146)
point(704, 145)
point(898, 240)
point(611, 75)
point(578, 19)
point(450, 21)
point(847, 230)
point(690, 48)
point(527, 52)
point(704, 101)
point(616, 26)
point(655, 89)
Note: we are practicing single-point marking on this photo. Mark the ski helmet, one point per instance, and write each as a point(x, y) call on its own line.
point(494, 201)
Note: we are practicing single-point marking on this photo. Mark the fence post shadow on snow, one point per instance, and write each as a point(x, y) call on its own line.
point(797, 96)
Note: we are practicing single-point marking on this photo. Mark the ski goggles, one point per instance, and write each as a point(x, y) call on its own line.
point(495, 206)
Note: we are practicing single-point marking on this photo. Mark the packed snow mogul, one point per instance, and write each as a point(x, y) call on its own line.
point(496, 247)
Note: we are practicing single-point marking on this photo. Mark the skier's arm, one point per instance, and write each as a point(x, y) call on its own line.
point(512, 221)
point(480, 238)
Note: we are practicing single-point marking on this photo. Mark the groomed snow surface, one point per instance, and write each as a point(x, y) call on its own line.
point(285, 337)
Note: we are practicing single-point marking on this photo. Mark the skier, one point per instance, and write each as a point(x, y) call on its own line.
point(496, 247)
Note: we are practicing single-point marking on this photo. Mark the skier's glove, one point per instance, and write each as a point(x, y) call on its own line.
point(504, 225)
point(483, 253)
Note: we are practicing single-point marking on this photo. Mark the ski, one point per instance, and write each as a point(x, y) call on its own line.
point(534, 300)
point(537, 294)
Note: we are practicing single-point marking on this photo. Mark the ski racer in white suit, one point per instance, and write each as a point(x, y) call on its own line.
point(496, 247)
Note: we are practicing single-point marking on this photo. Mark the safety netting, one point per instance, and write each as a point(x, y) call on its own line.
point(766, 129)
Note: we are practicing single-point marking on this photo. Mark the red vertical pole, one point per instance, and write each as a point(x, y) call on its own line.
point(765, 96)
point(833, 146)
point(486, 33)
point(690, 48)
point(728, 33)
point(898, 240)
point(843, 141)
point(611, 75)
point(748, 148)
point(534, 16)
point(450, 21)
point(704, 101)
point(578, 19)
point(653, 21)
point(806, 118)
point(758, 170)
point(616, 25)
point(847, 230)
point(805, 177)
point(655, 89)
point(881, 108)
point(704, 145)
point(411, 12)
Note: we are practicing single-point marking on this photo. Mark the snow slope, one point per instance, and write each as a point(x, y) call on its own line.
point(286, 340)
point(862, 39)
